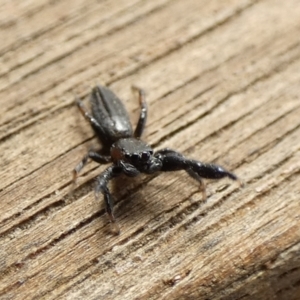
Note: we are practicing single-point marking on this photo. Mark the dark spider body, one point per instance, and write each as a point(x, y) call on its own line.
point(130, 155)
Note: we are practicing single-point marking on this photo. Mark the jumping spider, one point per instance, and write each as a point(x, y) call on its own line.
point(130, 155)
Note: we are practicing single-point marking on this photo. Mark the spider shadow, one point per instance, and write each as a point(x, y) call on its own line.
point(138, 198)
point(130, 196)
point(136, 201)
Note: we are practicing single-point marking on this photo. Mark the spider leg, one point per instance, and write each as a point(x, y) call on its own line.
point(174, 161)
point(143, 114)
point(128, 169)
point(210, 171)
point(94, 123)
point(200, 180)
point(95, 156)
point(101, 187)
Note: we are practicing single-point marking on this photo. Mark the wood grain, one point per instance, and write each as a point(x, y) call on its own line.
point(223, 85)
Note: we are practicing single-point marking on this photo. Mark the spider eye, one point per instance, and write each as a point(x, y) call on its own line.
point(146, 155)
point(134, 156)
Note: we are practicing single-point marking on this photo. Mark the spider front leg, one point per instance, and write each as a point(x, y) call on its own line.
point(174, 161)
point(101, 187)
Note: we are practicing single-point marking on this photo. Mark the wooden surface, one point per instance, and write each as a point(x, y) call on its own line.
point(223, 85)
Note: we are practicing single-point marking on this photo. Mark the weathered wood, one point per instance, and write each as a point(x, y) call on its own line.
point(223, 85)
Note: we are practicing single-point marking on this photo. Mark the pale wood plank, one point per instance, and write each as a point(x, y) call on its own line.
point(222, 82)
